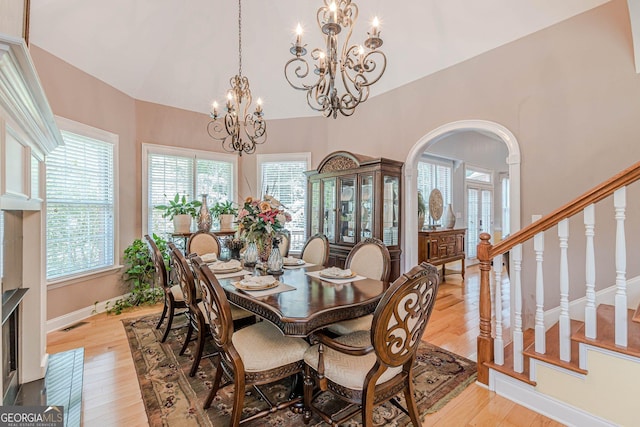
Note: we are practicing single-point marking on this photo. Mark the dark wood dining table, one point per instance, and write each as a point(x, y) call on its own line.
point(312, 305)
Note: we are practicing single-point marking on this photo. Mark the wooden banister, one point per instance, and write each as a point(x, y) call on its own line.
point(486, 253)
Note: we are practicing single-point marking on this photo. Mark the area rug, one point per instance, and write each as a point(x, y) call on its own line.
point(172, 398)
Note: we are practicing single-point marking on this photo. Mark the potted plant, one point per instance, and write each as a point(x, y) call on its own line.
point(181, 212)
point(225, 212)
point(422, 209)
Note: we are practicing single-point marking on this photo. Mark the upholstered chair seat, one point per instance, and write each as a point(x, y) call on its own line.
point(344, 369)
point(263, 347)
point(352, 325)
point(176, 291)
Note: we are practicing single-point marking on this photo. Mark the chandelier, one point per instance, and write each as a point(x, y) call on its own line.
point(237, 119)
point(359, 66)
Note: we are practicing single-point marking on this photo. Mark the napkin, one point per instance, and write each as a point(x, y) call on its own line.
point(209, 257)
point(291, 260)
point(225, 265)
point(257, 281)
point(337, 272)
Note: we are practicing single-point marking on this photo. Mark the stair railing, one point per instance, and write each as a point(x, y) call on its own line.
point(491, 350)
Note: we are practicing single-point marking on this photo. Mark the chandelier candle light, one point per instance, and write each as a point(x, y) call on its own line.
point(238, 119)
point(359, 66)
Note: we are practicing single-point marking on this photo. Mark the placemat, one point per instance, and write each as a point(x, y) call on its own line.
point(234, 274)
point(282, 287)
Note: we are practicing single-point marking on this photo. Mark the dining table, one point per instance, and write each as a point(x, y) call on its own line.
point(304, 301)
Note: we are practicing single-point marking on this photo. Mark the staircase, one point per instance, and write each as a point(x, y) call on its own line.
point(576, 360)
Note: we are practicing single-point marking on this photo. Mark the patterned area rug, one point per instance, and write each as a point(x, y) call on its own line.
point(172, 398)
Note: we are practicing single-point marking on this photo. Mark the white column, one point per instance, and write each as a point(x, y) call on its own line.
point(498, 342)
point(564, 321)
point(518, 337)
point(538, 248)
point(590, 272)
point(620, 203)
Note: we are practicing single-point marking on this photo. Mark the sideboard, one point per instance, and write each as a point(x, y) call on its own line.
point(439, 247)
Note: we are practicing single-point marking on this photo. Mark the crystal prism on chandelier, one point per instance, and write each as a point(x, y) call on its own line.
point(357, 66)
point(238, 120)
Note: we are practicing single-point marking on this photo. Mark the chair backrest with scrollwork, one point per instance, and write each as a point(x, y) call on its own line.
point(402, 315)
point(183, 275)
point(216, 306)
point(284, 236)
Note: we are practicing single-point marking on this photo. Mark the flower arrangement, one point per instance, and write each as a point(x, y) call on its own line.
point(259, 220)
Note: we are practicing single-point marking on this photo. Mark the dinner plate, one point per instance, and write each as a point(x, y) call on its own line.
point(225, 270)
point(294, 261)
point(257, 283)
point(335, 276)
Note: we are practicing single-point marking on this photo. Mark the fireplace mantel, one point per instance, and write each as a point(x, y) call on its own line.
point(28, 132)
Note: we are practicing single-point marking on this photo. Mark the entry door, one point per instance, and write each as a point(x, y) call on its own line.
point(479, 208)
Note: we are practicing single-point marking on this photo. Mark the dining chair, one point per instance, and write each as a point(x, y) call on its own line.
point(196, 321)
point(255, 355)
point(174, 302)
point(366, 368)
point(284, 236)
point(203, 242)
point(316, 250)
point(370, 258)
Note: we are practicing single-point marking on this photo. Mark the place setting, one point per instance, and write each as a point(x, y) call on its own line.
point(259, 286)
point(226, 269)
point(336, 275)
point(291, 263)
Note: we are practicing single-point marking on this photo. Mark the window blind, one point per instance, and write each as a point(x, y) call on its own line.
point(80, 206)
point(434, 174)
point(286, 181)
point(192, 176)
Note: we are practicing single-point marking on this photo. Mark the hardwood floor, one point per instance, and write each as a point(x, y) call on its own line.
point(111, 395)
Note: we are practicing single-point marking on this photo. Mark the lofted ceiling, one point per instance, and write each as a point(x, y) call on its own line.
point(182, 53)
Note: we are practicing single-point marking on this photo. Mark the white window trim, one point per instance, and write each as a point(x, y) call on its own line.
point(182, 152)
point(111, 138)
point(279, 157)
point(489, 172)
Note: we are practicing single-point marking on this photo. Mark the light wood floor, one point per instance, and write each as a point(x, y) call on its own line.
point(111, 395)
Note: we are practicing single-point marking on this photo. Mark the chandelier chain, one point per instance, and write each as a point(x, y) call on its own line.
point(240, 38)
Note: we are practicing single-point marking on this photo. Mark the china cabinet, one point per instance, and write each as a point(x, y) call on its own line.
point(352, 197)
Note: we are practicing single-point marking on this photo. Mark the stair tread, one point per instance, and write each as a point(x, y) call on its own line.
point(552, 354)
point(605, 332)
point(507, 367)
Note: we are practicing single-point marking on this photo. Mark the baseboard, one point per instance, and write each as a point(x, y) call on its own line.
point(527, 396)
point(604, 296)
point(79, 315)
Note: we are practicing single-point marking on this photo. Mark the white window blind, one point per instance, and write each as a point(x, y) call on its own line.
point(435, 174)
point(282, 176)
point(80, 206)
point(191, 174)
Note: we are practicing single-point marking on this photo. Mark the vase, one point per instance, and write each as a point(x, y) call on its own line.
point(275, 261)
point(420, 222)
point(449, 218)
point(204, 216)
point(251, 255)
point(264, 245)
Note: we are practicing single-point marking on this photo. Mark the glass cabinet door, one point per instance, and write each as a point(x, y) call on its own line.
point(347, 217)
point(330, 208)
point(366, 206)
point(315, 208)
point(391, 209)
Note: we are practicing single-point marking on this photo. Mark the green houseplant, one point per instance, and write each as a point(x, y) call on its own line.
point(181, 212)
point(225, 212)
point(422, 210)
point(138, 276)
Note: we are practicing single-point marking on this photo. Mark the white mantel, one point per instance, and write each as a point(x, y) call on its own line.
point(28, 132)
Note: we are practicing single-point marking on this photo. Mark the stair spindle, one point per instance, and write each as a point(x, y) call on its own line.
point(498, 343)
point(538, 247)
point(518, 336)
point(620, 203)
point(564, 320)
point(590, 272)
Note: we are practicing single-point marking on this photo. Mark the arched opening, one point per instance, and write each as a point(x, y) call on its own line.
point(410, 239)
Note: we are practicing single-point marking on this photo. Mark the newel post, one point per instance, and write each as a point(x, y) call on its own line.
point(485, 341)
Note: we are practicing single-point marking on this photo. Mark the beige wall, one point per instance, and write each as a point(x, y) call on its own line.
point(569, 94)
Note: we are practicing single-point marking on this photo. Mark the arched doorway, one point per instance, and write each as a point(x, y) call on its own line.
point(410, 239)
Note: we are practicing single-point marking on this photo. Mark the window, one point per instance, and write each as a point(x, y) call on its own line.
point(169, 170)
point(435, 173)
point(80, 214)
point(282, 176)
